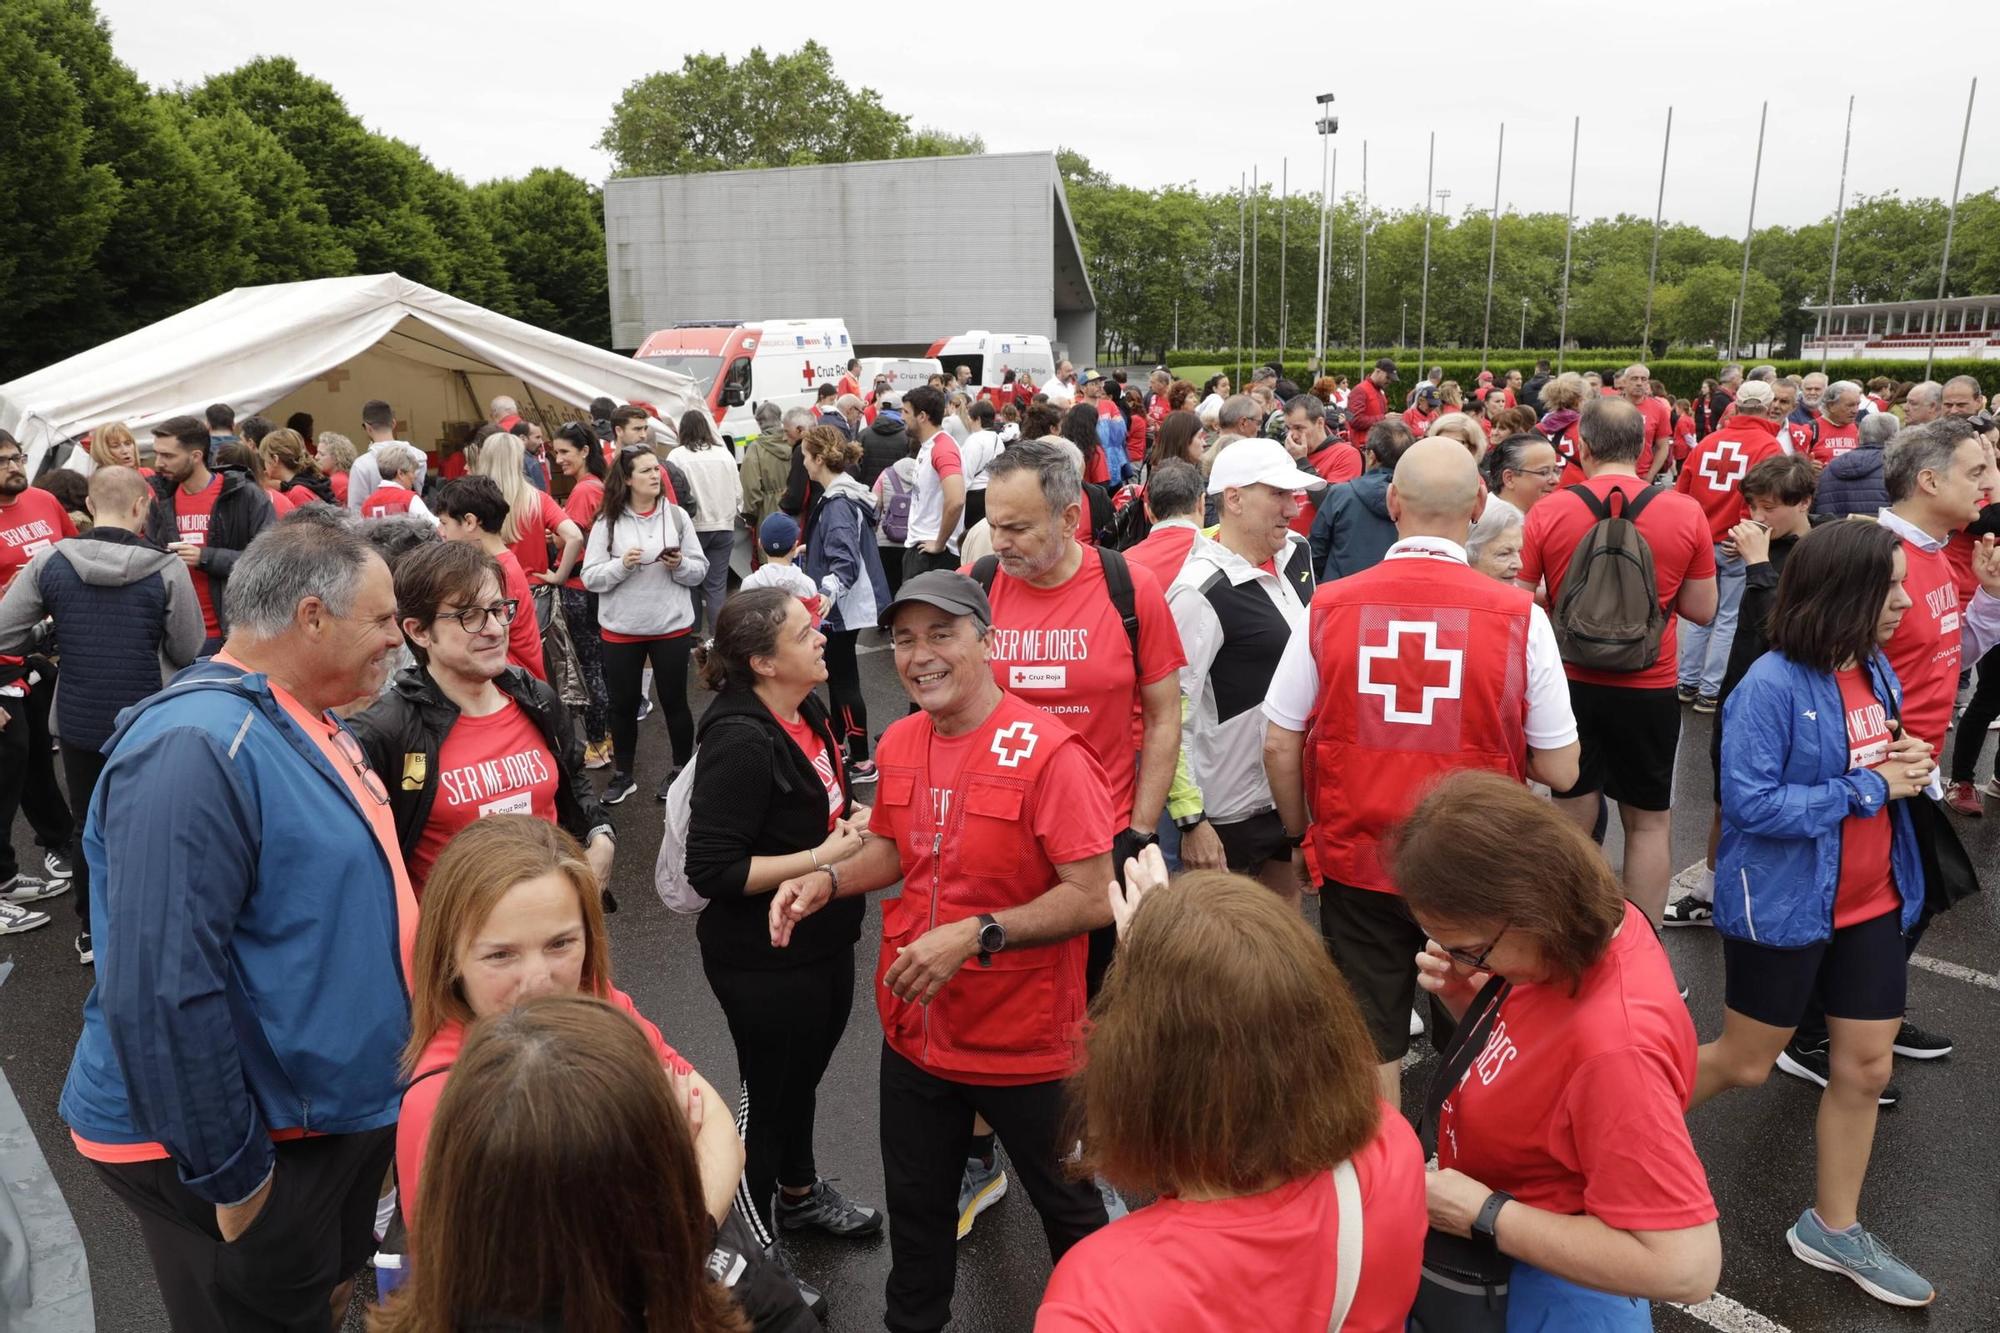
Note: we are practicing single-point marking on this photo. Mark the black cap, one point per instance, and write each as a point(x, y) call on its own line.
point(947, 590)
point(1388, 364)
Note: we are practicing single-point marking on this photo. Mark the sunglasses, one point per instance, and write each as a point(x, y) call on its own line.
point(350, 750)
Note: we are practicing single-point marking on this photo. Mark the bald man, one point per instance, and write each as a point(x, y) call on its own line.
point(1403, 673)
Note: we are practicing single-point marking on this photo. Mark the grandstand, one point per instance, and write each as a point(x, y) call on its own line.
point(1959, 327)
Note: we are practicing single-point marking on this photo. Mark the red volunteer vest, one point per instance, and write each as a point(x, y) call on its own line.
point(1423, 672)
point(386, 500)
point(1016, 1019)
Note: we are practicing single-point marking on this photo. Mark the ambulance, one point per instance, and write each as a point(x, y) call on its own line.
point(737, 366)
point(992, 355)
point(905, 373)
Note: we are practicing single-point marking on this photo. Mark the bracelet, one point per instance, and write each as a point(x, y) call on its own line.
point(813, 852)
point(833, 874)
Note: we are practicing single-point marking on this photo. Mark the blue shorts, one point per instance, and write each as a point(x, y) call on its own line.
point(1538, 1302)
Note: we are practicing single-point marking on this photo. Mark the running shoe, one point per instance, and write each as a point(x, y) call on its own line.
point(667, 782)
point(620, 786)
point(1688, 910)
point(1706, 703)
point(1687, 694)
point(19, 920)
point(57, 864)
point(862, 771)
point(1857, 1253)
point(983, 1185)
point(85, 955)
point(1964, 798)
point(1913, 1043)
point(1809, 1062)
point(28, 889)
point(645, 707)
point(829, 1210)
point(1992, 787)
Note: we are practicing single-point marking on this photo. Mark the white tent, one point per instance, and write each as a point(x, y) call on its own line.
point(325, 347)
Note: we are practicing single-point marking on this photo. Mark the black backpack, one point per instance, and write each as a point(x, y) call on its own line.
point(1117, 582)
point(1608, 617)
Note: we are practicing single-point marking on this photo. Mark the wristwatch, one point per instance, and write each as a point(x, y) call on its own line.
point(992, 938)
point(1188, 823)
point(1489, 1213)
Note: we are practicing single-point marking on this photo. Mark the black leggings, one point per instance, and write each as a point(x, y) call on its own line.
point(1980, 711)
point(785, 1023)
point(843, 689)
point(624, 673)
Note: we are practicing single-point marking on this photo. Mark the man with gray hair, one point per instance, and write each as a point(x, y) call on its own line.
point(1924, 402)
point(1242, 415)
point(767, 465)
point(1961, 397)
point(253, 926)
point(1812, 393)
point(1635, 382)
point(1839, 405)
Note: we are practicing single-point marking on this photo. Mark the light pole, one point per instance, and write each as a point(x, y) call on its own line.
point(1524, 321)
point(1424, 301)
point(1326, 125)
point(1424, 309)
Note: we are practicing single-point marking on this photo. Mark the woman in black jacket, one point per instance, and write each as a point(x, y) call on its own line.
point(771, 803)
point(461, 734)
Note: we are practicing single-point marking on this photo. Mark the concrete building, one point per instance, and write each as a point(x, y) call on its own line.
point(906, 251)
point(1958, 326)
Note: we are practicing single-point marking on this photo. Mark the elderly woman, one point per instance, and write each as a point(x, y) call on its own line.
point(1494, 546)
point(1250, 1164)
point(1567, 1161)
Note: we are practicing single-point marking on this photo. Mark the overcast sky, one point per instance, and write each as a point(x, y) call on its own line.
point(1182, 95)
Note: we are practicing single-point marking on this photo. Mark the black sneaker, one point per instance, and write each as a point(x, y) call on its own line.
point(57, 865)
point(829, 1210)
point(1687, 694)
point(1688, 910)
point(85, 955)
point(1914, 1043)
point(1810, 1063)
point(667, 782)
point(1706, 703)
point(620, 786)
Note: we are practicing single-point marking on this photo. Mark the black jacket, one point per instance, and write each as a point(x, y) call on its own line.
point(242, 510)
point(407, 726)
point(883, 441)
point(314, 485)
point(755, 795)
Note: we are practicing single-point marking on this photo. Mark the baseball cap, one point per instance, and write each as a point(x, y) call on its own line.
point(1388, 364)
point(890, 402)
point(947, 590)
point(1753, 393)
point(778, 534)
point(1090, 376)
point(1258, 462)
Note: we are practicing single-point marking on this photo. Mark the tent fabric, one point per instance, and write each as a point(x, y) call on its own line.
point(325, 347)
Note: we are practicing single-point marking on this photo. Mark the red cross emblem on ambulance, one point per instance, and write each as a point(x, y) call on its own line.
point(1015, 743)
point(1410, 677)
point(1723, 468)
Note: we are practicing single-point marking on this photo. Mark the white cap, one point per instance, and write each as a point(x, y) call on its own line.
point(1259, 461)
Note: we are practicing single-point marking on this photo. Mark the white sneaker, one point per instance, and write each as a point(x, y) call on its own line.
point(19, 920)
point(28, 889)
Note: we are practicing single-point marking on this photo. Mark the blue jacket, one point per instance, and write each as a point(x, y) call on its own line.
point(1353, 530)
point(1786, 788)
point(1852, 484)
point(244, 914)
point(841, 545)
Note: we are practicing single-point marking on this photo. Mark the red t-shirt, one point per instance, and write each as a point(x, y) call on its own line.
point(524, 636)
point(281, 503)
point(338, 480)
point(1193, 1266)
point(1835, 440)
point(30, 523)
point(1867, 889)
point(191, 515)
point(814, 748)
point(493, 765)
point(1064, 649)
point(1925, 648)
point(1659, 418)
point(581, 506)
point(1958, 549)
point(1674, 527)
point(1163, 551)
point(541, 517)
point(1337, 461)
point(390, 498)
point(1578, 1104)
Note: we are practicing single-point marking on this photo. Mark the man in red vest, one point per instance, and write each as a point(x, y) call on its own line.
point(1407, 671)
point(997, 820)
point(1367, 404)
point(1712, 476)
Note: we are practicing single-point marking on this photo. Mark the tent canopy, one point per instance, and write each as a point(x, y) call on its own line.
point(325, 347)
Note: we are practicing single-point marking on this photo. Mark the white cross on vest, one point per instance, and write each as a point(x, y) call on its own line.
point(1729, 455)
point(1015, 743)
point(1411, 673)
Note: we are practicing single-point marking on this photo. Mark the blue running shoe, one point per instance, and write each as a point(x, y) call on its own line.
point(1859, 1255)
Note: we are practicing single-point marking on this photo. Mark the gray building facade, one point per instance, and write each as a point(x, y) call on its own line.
point(906, 251)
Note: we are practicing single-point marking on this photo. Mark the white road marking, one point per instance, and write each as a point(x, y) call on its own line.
point(1718, 1311)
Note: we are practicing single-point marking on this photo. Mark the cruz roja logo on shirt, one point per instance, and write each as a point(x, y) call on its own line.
point(1410, 686)
point(1014, 744)
point(1729, 455)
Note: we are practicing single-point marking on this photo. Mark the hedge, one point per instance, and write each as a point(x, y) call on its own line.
point(1682, 377)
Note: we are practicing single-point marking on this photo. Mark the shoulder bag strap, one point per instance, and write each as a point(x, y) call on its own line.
point(1347, 1244)
point(1467, 1041)
point(1118, 582)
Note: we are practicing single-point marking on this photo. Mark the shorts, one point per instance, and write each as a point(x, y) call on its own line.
point(1247, 844)
point(1375, 942)
point(1861, 973)
point(1629, 739)
point(916, 560)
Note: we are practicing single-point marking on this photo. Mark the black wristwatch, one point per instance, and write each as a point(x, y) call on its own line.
point(992, 938)
point(1489, 1213)
point(1188, 823)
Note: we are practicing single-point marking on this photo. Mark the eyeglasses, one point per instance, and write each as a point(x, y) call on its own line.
point(350, 750)
point(475, 619)
point(1545, 473)
point(1475, 961)
point(12, 460)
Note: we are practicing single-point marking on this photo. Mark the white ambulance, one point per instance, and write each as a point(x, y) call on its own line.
point(992, 355)
point(738, 366)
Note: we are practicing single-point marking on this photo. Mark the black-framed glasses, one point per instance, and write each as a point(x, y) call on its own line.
point(475, 619)
point(350, 750)
point(13, 459)
point(1475, 961)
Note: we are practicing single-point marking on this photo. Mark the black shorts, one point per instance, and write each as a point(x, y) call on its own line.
point(1249, 843)
point(1375, 942)
point(1861, 973)
point(1629, 738)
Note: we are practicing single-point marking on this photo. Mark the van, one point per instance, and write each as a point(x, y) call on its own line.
point(992, 355)
point(737, 366)
point(905, 373)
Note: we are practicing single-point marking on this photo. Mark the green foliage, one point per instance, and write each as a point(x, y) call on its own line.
point(762, 111)
point(549, 227)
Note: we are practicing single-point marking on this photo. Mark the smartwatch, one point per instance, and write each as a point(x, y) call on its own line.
point(1189, 822)
point(1489, 1213)
point(992, 938)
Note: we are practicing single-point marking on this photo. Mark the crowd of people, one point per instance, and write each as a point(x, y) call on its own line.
point(1178, 657)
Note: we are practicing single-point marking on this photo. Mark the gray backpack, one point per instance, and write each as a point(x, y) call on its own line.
point(1609, 617)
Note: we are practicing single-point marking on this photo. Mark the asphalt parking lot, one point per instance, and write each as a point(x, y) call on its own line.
point(1931, 1194)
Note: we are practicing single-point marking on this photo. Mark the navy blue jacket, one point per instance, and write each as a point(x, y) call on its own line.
point(1852, 484)
point(242, 510)
point(125, 611)
point(1353, 530)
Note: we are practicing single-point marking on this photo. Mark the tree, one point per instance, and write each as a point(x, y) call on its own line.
point(1610, 306)
point(787, 111)
point(288, 235)
point(548, 227)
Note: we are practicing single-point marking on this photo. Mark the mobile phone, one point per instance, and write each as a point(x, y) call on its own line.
point(666, 552)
